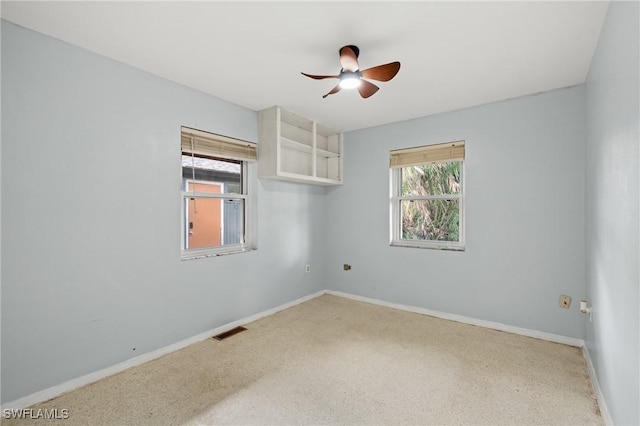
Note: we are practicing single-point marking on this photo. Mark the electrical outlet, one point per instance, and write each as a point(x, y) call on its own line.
point(307, 269)
point(565, 301)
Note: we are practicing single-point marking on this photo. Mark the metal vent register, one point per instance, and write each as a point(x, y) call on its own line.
point(229, 333)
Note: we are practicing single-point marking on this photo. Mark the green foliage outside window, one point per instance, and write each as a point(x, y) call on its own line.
point(431, 219)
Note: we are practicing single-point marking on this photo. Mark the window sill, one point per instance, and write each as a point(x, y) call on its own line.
point(428, 245)
point(204, 253)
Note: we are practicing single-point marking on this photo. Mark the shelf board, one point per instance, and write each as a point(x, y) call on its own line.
point(326, 154)
point(326, 181)
point(306, 178)
point(295, 145)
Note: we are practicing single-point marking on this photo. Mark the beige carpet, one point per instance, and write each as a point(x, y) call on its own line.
point(336, 361)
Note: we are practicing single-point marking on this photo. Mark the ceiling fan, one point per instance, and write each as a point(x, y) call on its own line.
point(352, 78)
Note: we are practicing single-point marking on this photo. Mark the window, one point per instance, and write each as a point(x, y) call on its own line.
point(215, 203)
point(427, 198)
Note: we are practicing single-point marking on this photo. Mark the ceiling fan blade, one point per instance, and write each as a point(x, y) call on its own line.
point(367, 89)
point(334, 90)
point(348, 59)
point(382, 72)
point(319, 77)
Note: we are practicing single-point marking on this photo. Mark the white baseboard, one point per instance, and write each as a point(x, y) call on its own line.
point(54, 391)
point(571, 341)
point(602, 404)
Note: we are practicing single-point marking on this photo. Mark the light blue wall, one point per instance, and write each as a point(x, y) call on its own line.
point(91, 214)
point(612, 232)
point(524, 186)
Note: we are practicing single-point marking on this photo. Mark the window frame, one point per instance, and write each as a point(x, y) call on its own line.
point(246, 198)
point(395, 209)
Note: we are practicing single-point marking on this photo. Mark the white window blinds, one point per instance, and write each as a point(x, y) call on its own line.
point(209, 144)
point(450, 151)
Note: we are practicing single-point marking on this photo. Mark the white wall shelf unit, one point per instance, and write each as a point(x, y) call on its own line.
point(295, 148)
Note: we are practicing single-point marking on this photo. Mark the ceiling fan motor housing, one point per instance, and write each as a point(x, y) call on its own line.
point(345, 75)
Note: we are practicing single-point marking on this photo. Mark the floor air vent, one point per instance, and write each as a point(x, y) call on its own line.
point(229, 333)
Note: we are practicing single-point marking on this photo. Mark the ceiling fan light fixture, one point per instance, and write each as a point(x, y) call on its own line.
point(350, 80)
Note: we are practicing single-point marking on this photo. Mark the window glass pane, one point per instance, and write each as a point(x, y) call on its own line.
point(213, 222)
point(224, 175)
point(432, 220)
point(431, 179)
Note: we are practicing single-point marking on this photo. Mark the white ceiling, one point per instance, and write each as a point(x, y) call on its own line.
point(453, 54)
